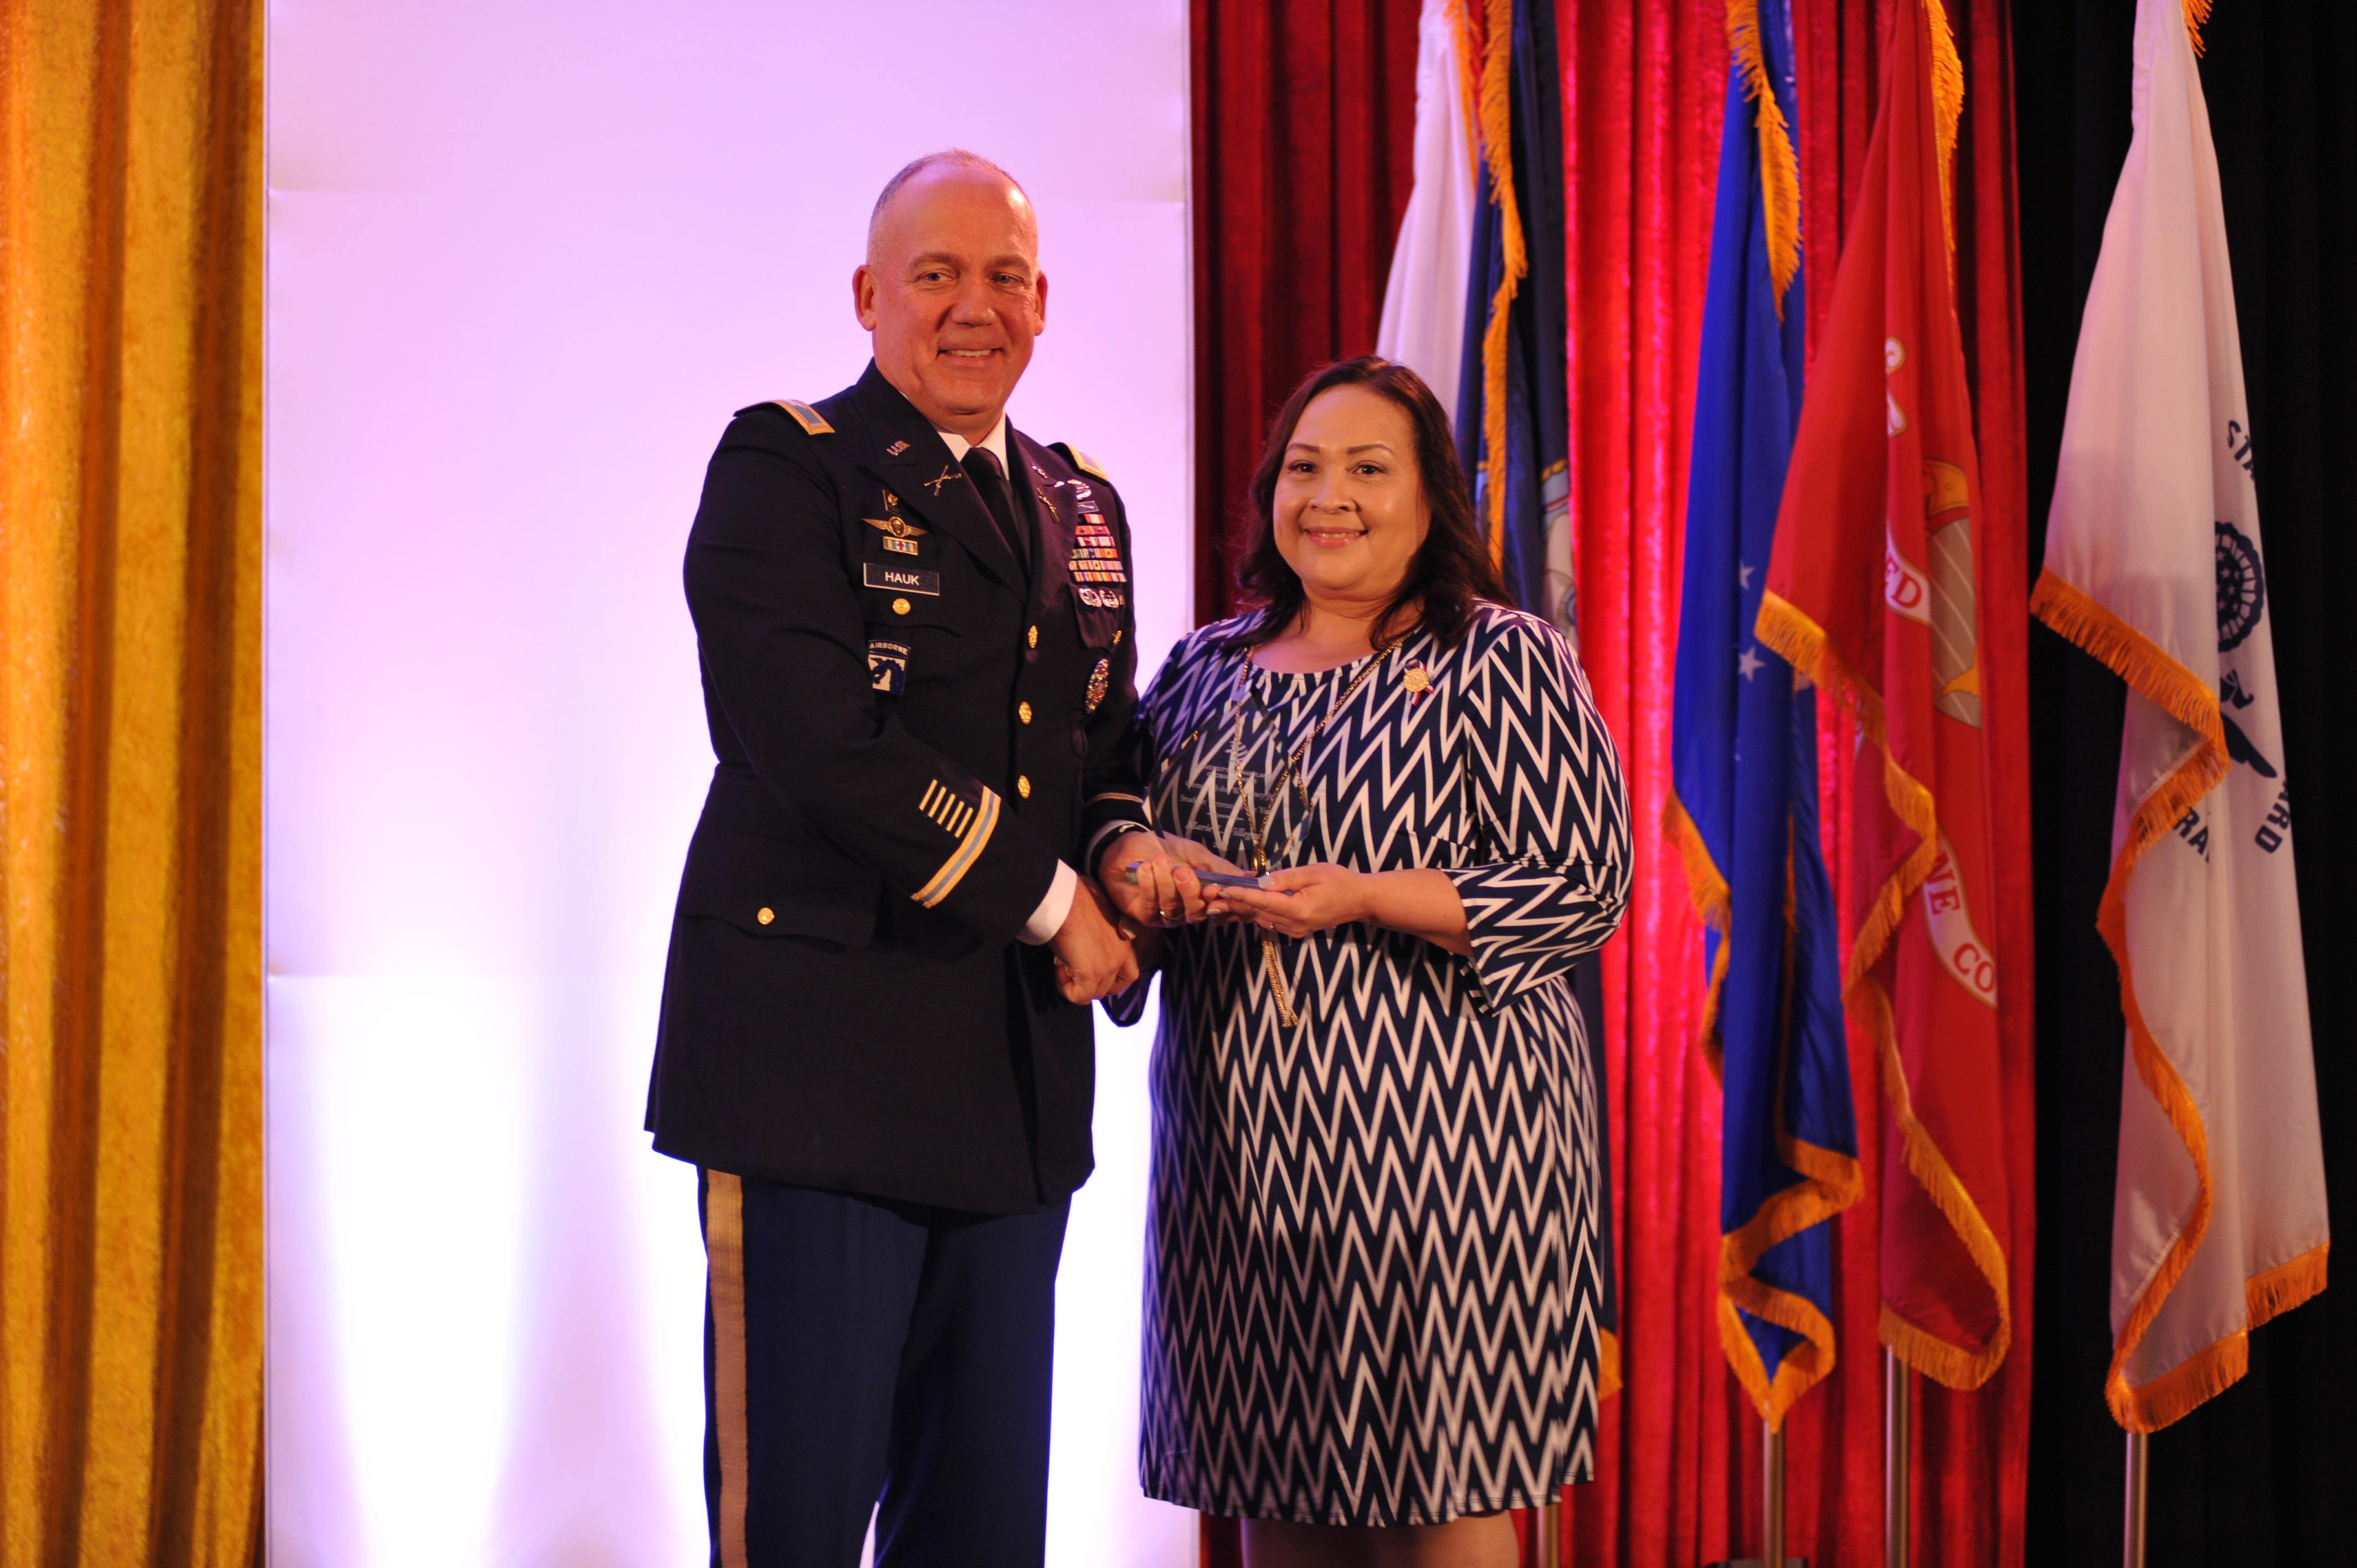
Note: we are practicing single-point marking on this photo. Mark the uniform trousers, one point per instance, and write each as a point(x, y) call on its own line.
point(858, 1353)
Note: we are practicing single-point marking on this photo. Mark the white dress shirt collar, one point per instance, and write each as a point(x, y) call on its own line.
point(994, 444)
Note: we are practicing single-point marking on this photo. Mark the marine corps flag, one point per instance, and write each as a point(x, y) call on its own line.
point(2153, 565)
point(1872, 592)
point(1743, 809)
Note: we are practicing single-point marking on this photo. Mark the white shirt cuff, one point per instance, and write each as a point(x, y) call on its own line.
point(1048, 918)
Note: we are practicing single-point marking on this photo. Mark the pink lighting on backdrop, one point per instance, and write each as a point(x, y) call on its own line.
point(523, 261)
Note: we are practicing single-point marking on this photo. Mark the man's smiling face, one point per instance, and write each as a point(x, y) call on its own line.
point(952, 295)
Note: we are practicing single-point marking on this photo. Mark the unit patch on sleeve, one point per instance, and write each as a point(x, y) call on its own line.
point(888, 665)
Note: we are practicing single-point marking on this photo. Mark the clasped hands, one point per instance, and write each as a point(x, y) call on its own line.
point(1096, 957)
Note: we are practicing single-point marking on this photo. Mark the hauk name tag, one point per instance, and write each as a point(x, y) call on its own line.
point(900, 579)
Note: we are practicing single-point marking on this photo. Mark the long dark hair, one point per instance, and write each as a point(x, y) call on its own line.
point(1450, 573)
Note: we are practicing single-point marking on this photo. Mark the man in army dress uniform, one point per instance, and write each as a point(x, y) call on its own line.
point(914, 624)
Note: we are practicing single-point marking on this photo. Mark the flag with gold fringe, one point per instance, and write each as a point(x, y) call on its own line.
point(1743, 809)
point(1873, 593)
point(2153, 565)
point(1514, 428)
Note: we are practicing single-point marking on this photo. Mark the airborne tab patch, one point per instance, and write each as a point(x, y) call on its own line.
point(810, 419)
point(888, 665)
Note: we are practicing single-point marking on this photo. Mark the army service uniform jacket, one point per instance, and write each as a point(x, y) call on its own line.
point(912, 729)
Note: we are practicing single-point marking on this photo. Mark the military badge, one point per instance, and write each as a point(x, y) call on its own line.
point(1417, 680)
point(1099, 682)
point(1095, 557)
point(900, 535)
point(888, 665)
point(895, 449)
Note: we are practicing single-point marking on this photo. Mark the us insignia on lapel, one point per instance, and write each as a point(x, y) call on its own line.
point(895, 449)
point(1099, 682)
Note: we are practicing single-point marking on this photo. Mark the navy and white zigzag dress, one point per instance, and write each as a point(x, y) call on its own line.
point(1372, 1286)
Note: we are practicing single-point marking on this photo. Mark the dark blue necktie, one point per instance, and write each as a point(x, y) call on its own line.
point(982, 466)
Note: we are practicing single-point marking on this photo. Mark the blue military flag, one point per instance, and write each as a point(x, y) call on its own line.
point(1513, 420)
point(1743, 808)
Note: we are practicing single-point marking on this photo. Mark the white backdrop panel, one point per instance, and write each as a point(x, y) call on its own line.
point(524, 260)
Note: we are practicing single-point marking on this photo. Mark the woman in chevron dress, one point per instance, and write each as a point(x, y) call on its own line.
point(1372, 1288)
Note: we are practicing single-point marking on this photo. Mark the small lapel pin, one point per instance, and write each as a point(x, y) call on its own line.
point(895, 449)
point(935, 485)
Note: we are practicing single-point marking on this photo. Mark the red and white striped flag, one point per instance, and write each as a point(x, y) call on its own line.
point(2153, 565)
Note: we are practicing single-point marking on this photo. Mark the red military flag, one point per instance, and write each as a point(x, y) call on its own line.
point(1872, 593)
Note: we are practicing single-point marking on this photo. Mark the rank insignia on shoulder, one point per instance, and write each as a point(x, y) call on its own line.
point(1099, 682)
point(895, 449)
point(1082, 461)
point(810, 419)
point(888, 665)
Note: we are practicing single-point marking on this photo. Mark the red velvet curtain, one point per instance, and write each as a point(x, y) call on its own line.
point(1303, 155)
point(1293, 104)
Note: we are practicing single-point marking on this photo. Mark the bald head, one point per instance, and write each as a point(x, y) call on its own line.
point(955, 163)
point(952, 294)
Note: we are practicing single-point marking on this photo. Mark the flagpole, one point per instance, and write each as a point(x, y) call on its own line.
point(1551, 1533)
point(1773, 1488)
point(1897, 1450)
point(2132, 1538)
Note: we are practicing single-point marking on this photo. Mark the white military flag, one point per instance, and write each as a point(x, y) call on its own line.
point(1424, 303)
point(2153, 565)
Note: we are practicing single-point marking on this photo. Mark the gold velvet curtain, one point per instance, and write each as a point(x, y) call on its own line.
point(130, 202)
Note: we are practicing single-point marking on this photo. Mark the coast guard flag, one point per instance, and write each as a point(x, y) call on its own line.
point(1743, 807)
point(2153, 565)
point(1873, 593)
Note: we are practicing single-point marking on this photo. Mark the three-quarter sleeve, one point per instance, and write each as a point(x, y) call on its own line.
point(1545, 789)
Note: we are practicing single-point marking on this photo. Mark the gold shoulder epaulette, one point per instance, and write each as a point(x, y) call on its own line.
point(811, 419)
point(1082, 461)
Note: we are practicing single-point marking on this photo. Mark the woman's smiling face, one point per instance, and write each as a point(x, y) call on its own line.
point(1350, 508)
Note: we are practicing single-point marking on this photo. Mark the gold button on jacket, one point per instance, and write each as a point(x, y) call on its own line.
point(1023, 711)
point(1023, 785)
point(765, 914)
